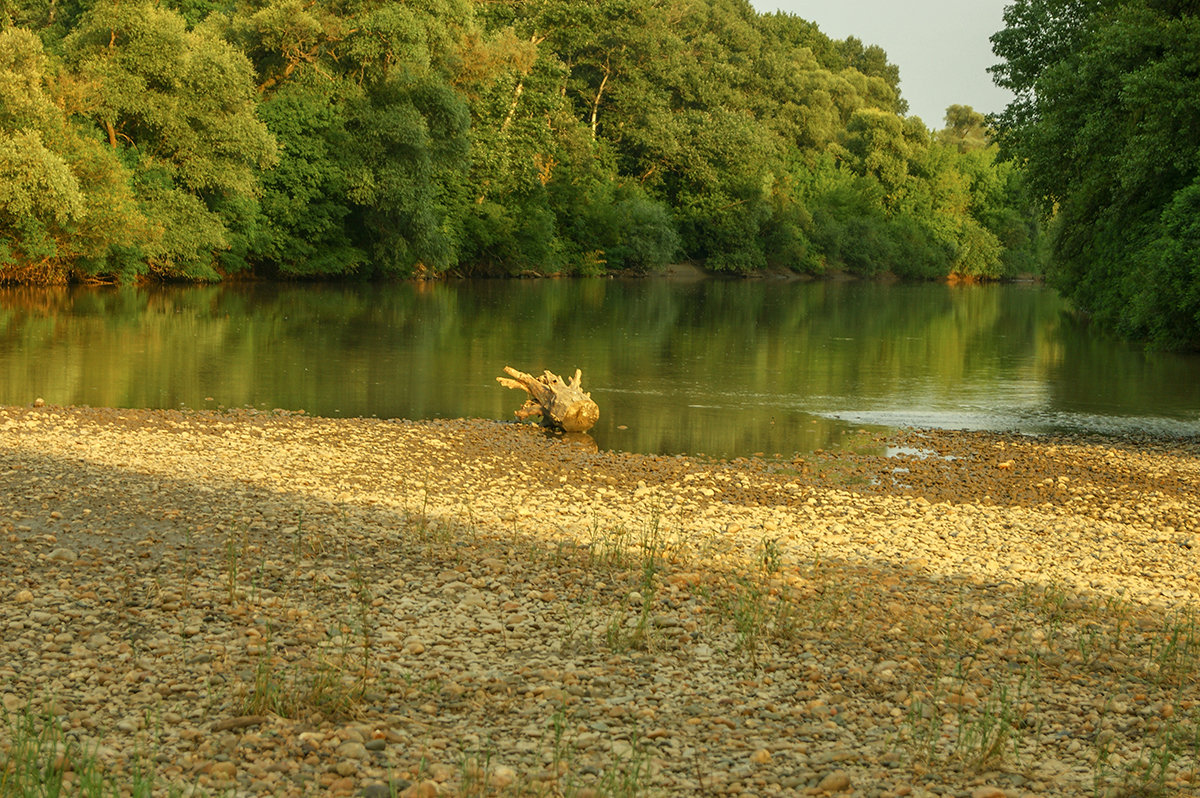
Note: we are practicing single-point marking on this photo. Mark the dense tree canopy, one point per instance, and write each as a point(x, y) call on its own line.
point(1107, 119)
point(187, 139)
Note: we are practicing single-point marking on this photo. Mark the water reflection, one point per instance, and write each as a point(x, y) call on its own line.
point(723, 368)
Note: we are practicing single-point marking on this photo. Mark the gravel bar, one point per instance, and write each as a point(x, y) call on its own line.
point(266, 603)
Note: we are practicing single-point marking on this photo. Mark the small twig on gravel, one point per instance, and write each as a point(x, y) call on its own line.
point(240, 722)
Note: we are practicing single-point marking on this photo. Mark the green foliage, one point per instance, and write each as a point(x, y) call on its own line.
point(304, 200)
point(1108, 104)
point(518, 237)
point(64, 200)
point(196, 138)
point(179, 96)
point(877, 147)
point(966, 129)
point(39, 195)
point(614, 225)
point(851, 228)
point(408, 150)
point(1164, 284)
point(38, 187)
point(178, 107)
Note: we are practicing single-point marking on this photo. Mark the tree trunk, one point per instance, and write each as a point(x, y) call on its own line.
point(512, 108)
point(596, 102)
point(560, 404)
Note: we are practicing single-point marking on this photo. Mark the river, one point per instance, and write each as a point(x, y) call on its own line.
point(714, 367)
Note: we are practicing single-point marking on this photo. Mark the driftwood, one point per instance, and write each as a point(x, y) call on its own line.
point(560, 404)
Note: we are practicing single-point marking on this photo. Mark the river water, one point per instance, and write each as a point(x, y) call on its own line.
point(722, 368)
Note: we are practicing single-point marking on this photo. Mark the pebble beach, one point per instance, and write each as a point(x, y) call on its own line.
point(265, 603)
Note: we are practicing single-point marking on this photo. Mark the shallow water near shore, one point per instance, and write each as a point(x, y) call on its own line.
point(722, 368)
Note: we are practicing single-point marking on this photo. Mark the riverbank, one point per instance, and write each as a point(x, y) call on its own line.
point(267, 603)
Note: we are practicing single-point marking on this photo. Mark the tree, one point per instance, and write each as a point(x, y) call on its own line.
point(1106, 118)
point(188, 139)
point(305, 203)
point(966, 129)
point(374, 135)
point(407, 142)
point(179, 107)
point(39, 195)
point(65, 202)
point(872, 62)
point(878, 146)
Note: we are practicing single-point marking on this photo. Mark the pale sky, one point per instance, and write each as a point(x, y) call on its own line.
point(941, 46)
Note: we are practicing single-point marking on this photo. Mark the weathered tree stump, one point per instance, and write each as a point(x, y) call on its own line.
point(560, 404)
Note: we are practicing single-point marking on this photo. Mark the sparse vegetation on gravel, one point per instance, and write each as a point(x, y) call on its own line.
point(252, 603)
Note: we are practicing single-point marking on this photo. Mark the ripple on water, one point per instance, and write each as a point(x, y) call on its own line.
point(1032, 422)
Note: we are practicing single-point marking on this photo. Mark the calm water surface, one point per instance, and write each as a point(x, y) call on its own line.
point(715, 367)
